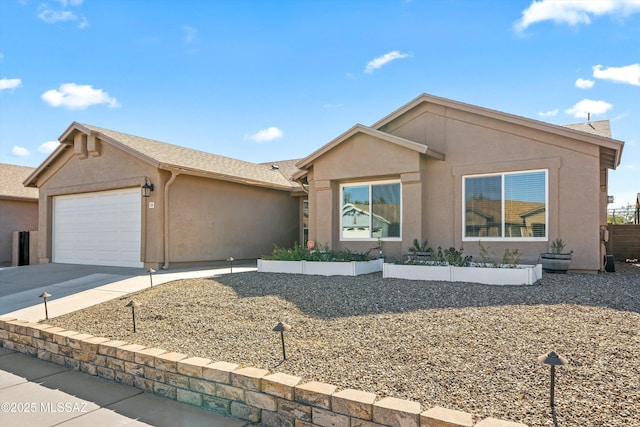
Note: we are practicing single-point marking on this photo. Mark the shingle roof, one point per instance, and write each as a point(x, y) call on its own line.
point(600, 127)
point(11, 179)
point(181, 157)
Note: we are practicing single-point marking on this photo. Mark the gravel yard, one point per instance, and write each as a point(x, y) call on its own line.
point(463, 346)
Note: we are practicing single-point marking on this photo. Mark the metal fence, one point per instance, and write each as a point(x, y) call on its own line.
point(628, 215)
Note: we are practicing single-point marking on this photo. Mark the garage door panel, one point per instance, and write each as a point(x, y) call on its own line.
point(102, 228)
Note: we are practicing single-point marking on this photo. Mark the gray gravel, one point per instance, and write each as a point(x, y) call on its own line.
point(463, 346)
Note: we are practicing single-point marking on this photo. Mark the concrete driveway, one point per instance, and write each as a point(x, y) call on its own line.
point(21, 286)
point(73, 287)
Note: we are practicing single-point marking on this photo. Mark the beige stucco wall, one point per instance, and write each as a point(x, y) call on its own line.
point(208, 219)
point(432, 189)
point(213, 220)
point(15, 215)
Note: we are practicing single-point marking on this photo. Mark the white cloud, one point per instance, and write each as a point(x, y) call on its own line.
point(48, 147)
point(78, 97)
point(629, 74)
point(270, 134)
point(19, 151)
point(52, 15)
point(584, 84)
point(10, 83)
point(586, 106)
point(573, 12)
point(330, 106)
point(551, 113)
point(66, 3)
point(384, 59)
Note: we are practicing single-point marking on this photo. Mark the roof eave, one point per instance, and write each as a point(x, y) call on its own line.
point(499, 115)
point(223, 177)
point(358, 128)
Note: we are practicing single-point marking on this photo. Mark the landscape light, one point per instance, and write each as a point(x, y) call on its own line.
point(133, 304)
point(552, 359)
point(281, 327)
point(45, 295)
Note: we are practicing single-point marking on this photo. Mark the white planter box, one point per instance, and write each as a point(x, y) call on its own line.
point(522, 275)
point(417, 272)
point(291, 267)
point(353, 268)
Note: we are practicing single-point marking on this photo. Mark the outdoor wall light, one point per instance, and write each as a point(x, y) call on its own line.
point(281, 327)
point(44, 296)
point(133, 304)
point(230, 261)
point(151, 271)
point(552, 359)
point(147, 188)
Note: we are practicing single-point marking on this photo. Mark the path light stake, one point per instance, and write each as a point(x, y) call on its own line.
point(133, 304)
point(552, 359)
point(45, 295)
point(281, 327)
point(230, 261)
point(151, 271)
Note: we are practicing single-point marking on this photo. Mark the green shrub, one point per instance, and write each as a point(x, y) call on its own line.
point(323, 254)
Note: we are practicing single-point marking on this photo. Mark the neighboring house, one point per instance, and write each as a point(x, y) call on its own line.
point(201, 207)
point(436, 169)
point(458, 174)
point(18, 209)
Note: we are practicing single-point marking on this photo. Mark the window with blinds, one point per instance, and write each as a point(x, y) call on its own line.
point(510, 205)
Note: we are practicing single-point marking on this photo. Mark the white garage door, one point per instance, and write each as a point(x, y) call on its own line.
point(101, 228)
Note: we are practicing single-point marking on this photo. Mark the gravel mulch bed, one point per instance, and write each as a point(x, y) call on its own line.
point(463, 346)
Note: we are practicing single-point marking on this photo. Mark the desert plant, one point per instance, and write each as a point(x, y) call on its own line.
point(487, 258)
point(454, 257)
point(511, 258)
point(557, 246)
point(418, 247)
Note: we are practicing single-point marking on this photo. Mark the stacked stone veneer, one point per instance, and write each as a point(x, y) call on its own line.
point(247, 393)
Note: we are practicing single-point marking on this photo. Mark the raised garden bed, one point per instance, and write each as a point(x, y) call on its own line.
point(322, 268)
point(509, 275)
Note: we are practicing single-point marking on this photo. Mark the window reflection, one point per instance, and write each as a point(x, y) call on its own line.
point(370, 211)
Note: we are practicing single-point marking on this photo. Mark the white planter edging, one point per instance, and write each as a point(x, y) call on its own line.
point(322, 268)
point(522, 275)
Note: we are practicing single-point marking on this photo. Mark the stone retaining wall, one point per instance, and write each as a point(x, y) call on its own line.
point(252, 394)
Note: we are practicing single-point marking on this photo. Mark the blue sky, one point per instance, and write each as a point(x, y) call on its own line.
point(272, 80)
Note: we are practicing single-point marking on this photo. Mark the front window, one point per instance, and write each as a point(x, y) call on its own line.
point(370, 211)
point(506, 206)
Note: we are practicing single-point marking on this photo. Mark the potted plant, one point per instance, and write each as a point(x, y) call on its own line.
point(556, 261)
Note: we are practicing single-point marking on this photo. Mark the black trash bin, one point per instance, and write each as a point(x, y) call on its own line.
point(23, 248)
point(610, 266)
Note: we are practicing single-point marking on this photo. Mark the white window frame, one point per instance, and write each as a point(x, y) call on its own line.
point(502, 238)
point(370, 184)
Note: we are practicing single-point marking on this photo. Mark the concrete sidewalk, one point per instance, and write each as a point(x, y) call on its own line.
point(36, 393)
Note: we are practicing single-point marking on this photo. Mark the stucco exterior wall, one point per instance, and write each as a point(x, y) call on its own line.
point(432, 189)
point(15, 215)
point(213, 220)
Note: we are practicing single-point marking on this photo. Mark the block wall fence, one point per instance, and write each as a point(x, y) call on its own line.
point(252, 394)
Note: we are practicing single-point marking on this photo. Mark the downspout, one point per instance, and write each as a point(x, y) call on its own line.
point(174, 175)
